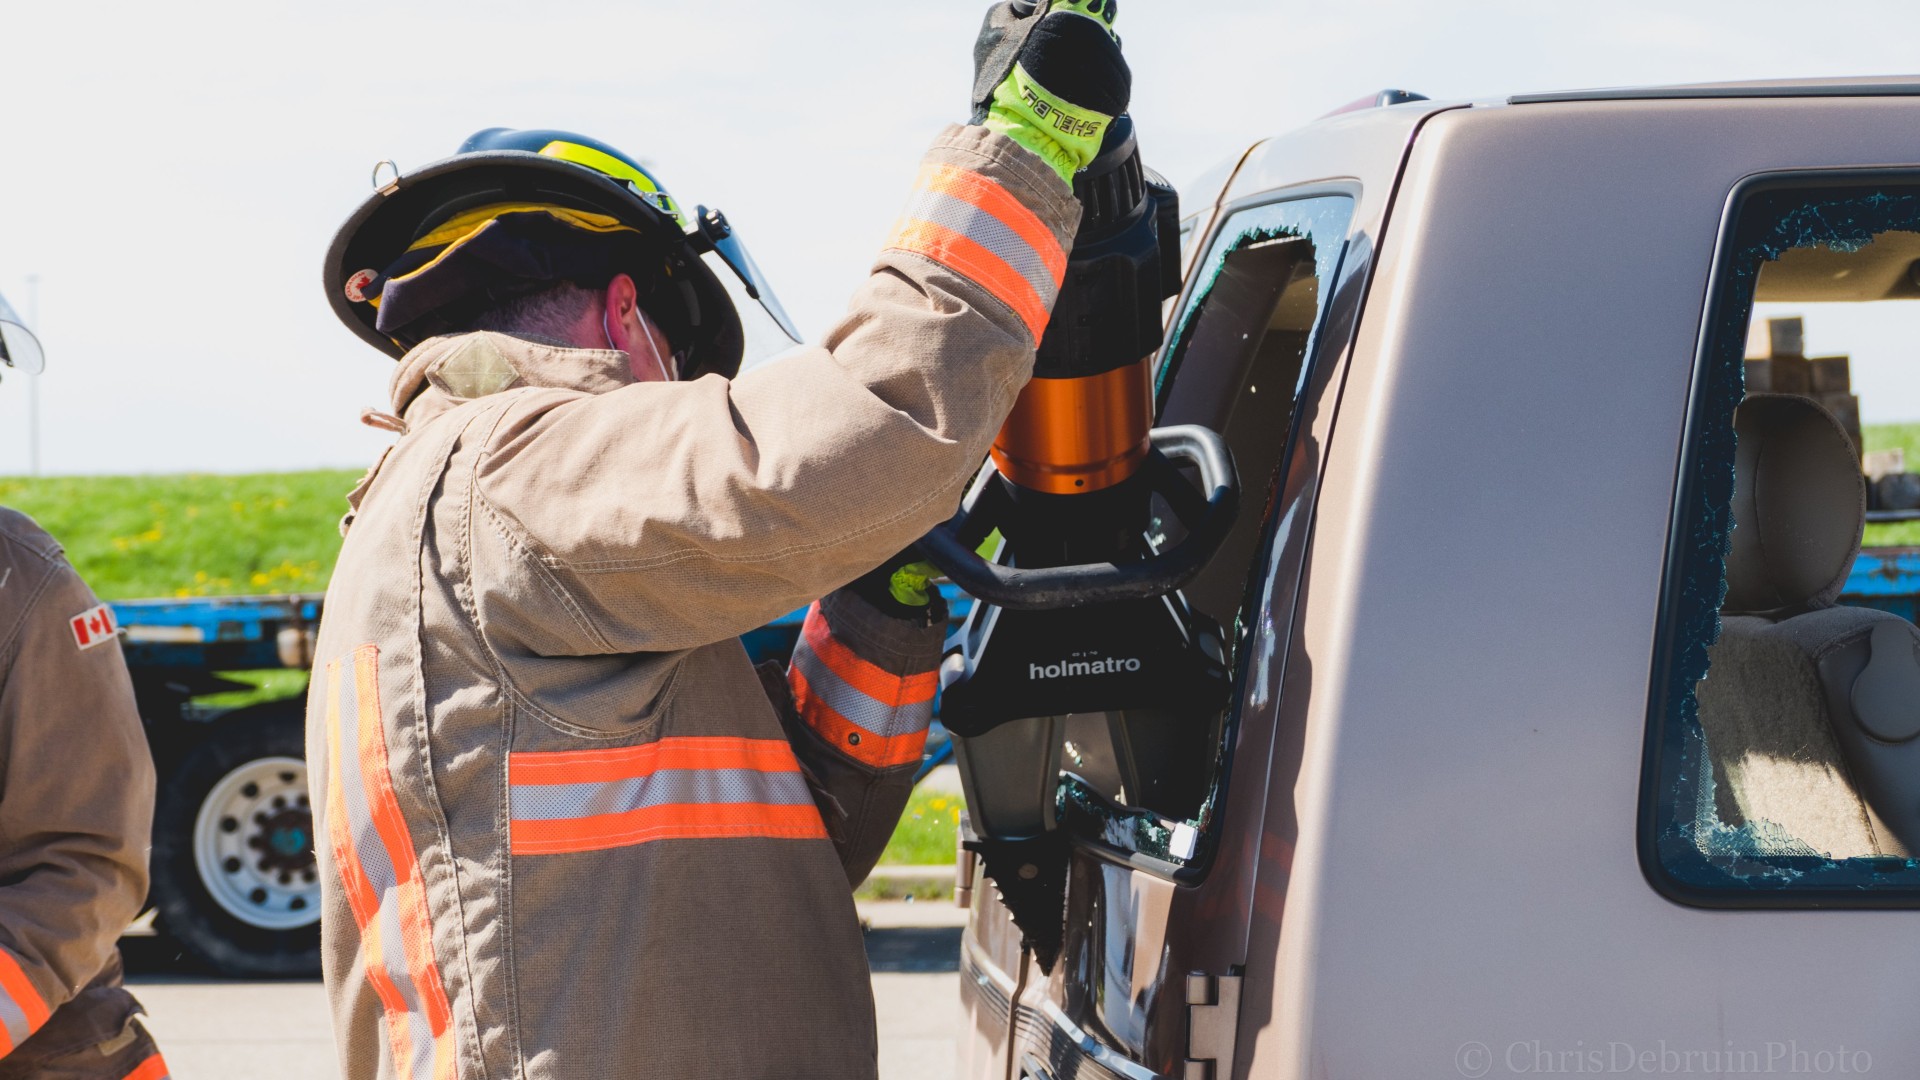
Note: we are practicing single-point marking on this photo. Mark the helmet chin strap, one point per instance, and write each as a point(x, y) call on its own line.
point(607, 329)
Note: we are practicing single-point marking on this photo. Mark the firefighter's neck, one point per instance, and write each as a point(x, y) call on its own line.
point(617, 322)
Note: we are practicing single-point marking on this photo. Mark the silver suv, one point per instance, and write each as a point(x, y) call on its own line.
point(1573, 731)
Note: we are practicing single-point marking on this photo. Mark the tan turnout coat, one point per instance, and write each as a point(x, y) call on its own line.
point(564, 831)
point(76, 820)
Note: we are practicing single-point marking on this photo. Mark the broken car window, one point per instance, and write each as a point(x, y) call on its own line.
point(1144, 781)
point(1784, 761)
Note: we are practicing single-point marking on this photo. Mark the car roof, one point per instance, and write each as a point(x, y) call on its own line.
point(1860, 86)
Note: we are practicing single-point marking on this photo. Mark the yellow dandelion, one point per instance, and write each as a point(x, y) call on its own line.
point(938, 804)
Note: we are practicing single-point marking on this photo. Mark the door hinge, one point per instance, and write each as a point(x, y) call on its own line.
point(1213, 1018)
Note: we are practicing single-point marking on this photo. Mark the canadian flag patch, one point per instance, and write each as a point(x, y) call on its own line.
point(94, 626)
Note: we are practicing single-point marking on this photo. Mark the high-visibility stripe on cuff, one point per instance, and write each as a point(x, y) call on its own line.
point(873, 716)
point(151, 1069)
point(22, 1009)
point(864, 746)
point(973, 226)
point(863, 675)
point(682, 788)
point(380, 874)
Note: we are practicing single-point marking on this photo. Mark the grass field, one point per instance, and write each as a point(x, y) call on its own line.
point(217, 535)
point(195, 535)
point(1886, 437)
point(925, 835)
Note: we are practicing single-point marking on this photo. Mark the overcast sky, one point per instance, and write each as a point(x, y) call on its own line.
point(173, 172)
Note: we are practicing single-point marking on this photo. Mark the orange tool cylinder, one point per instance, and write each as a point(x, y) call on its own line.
point(1077, 435)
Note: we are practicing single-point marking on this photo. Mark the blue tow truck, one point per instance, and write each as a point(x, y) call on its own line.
point(234, 879)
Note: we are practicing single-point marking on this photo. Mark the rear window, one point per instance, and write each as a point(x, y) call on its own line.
point(1783, 763)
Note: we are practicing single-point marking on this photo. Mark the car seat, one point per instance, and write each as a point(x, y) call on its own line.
point(1810, 710)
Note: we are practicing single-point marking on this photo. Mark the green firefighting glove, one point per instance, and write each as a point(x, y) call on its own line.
point(903, 587)
point(1048, 74)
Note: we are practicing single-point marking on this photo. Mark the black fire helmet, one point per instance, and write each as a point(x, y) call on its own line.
point(513, 212)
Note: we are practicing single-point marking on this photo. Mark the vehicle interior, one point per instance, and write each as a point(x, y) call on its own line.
point(1808, 711)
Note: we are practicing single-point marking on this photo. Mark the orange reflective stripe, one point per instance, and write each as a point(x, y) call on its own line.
point(629, 762)
point(683, 788)
point(380, 875)
point(28, 1000)
point(361, 899)
point(879, 751)
point(151, 1069)
point(14, 981)
point(683, 821)
point(353, 880)
point(862, 675)
point(998, 201)
point(971, 260)
point(416, 934)
point(445, 1066)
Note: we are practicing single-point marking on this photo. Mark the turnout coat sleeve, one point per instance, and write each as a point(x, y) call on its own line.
point(670, 517)
point(857, 700)
point(76, 788)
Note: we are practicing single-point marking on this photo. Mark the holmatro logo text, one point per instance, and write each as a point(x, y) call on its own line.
point(1067, 669)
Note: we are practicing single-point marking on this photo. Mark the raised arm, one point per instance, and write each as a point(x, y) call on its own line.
point(673, 516)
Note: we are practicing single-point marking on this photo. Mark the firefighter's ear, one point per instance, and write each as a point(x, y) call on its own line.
point(630, 331)
point(622, 299)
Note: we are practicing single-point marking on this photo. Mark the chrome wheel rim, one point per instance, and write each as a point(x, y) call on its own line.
point(253, 845)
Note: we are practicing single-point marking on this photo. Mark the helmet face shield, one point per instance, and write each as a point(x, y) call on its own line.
point(19, 349)
point(733, 252)
point(764, 326)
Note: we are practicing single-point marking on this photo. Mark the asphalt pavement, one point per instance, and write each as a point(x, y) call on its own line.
point(223, 1029)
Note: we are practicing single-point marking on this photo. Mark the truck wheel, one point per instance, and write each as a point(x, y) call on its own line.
point(234, 876)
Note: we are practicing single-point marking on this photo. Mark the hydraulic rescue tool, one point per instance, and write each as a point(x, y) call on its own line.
point(1080, 610)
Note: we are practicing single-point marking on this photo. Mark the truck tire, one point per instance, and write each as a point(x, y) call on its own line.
point(234, 878)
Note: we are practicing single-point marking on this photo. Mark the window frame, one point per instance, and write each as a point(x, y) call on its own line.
point(1661, 706)
point(1322, 352)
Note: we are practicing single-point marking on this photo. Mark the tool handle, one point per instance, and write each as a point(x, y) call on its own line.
point(1049, 588)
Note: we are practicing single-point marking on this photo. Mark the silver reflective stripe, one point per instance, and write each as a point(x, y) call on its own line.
point(14, 1019)
point(376, 865)
point(368, 848)
point(421, 1034)
point(869, 714)
point(555, 802)
point(393, 960)
point(989, 232)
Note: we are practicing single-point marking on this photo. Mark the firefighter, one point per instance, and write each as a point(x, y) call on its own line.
point(76, 810)
point(564, 830)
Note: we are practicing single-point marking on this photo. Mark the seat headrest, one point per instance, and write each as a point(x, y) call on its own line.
point(1799, 505)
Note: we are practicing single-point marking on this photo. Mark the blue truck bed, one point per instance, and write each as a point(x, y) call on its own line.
point(1886, 578)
